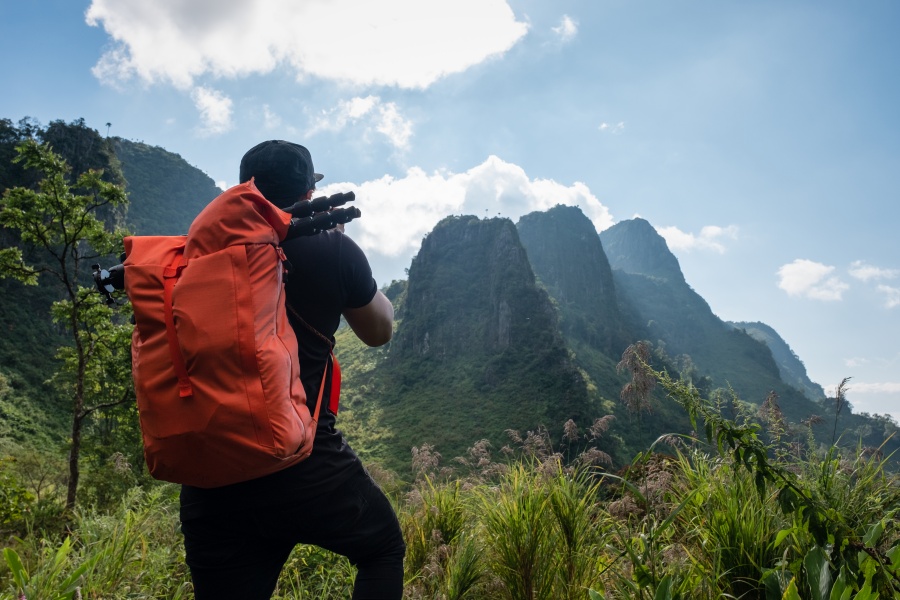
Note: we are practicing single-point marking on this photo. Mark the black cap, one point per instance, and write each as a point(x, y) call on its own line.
point(283, 171)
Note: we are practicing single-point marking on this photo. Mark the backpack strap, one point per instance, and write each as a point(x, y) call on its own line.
point(170, 275)
point(334, 395)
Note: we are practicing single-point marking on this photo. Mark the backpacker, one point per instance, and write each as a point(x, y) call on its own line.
point(214, 358)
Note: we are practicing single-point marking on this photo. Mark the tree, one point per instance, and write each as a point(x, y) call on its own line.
point(60, 220)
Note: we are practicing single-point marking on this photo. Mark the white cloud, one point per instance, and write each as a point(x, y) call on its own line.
point(614, 129)
point(567, 29)
point(371, 114)
point(215, 110)
point(864, 272)
point(893, 296)
point(397, 213)
point(856, 361)
point(879, 398)
point(404, 43)
point(270, 119)
point(709, 238)
point(886, 387)
point(811, 280)
point(397, 129)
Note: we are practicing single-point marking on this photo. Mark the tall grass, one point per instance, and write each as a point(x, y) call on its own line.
point(730, 517)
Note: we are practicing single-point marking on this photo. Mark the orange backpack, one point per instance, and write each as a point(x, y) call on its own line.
point(214, 358)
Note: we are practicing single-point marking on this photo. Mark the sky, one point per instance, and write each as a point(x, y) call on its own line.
point(761, 139)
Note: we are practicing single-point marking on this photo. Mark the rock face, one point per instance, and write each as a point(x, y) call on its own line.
point(568, 258)
point(478, 350)
point(471, 293)
point(634, 246)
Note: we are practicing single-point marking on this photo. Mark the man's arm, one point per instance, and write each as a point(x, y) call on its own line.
point(374, 322)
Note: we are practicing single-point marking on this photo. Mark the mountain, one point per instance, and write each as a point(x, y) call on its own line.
point(568, 258)
point(790, 367)
point(477, 351)
point(500, 326)
point(166, 192)
point(681, 323)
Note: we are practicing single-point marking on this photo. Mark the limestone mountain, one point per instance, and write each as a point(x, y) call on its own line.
point(568, 258)
point(791, 368)
point(681, 323)
point(478, 350)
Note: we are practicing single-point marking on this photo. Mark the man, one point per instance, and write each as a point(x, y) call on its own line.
point(238, 537)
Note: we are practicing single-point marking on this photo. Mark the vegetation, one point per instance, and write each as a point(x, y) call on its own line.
point(61, 220)
point(726, 516)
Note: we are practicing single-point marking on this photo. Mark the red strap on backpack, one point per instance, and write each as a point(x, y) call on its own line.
point(335, 397)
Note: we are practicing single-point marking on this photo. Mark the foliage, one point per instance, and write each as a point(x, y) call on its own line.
point(62, 219)
point(166, 192)
point(691, 523)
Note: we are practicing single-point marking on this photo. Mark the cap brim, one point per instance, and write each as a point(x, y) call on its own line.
point(318, 176)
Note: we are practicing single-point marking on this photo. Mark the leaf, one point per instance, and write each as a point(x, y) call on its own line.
point(772, 581)
point(664, 590)
point(20, 575)
point(840, 591)
point(818, 573)
point(595, 595)
point(780, 537)
point(874, 534)
point(791, 592)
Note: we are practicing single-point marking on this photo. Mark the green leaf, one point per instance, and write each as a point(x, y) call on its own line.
point(595, 595)
point(20, 575)
point(664, 590)
point(874, 534)
point(818, 573)
point(780, 537)
point(772, 582)
point(791, 592)
point(840, 590)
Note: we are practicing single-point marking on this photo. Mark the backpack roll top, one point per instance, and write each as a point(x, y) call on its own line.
point(237, 408)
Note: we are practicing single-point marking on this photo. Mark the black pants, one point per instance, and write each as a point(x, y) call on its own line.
point(240, 555)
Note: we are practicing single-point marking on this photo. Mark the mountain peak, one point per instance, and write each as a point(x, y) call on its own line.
point(634, 246)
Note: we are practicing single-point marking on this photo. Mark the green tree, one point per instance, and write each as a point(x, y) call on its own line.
point(60, 219)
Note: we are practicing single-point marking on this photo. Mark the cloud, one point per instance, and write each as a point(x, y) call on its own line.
point(856, 361)
point(404, 43)
point(370, 113)
point(864, 272)
point(398, 212)
point(614, 129)
point(811, 280)
point(893, 296)
point(215, 110)
point(708, 239)
point(566, 30)
point(886, 387)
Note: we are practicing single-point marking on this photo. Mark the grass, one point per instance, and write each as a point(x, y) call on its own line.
point(726, 517)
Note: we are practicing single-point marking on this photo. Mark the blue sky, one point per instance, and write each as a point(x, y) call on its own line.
point(761, 139)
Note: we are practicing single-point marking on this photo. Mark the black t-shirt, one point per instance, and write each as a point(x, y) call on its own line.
point(328, 273)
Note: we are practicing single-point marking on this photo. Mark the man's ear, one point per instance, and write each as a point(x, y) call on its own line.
point(309, 194)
